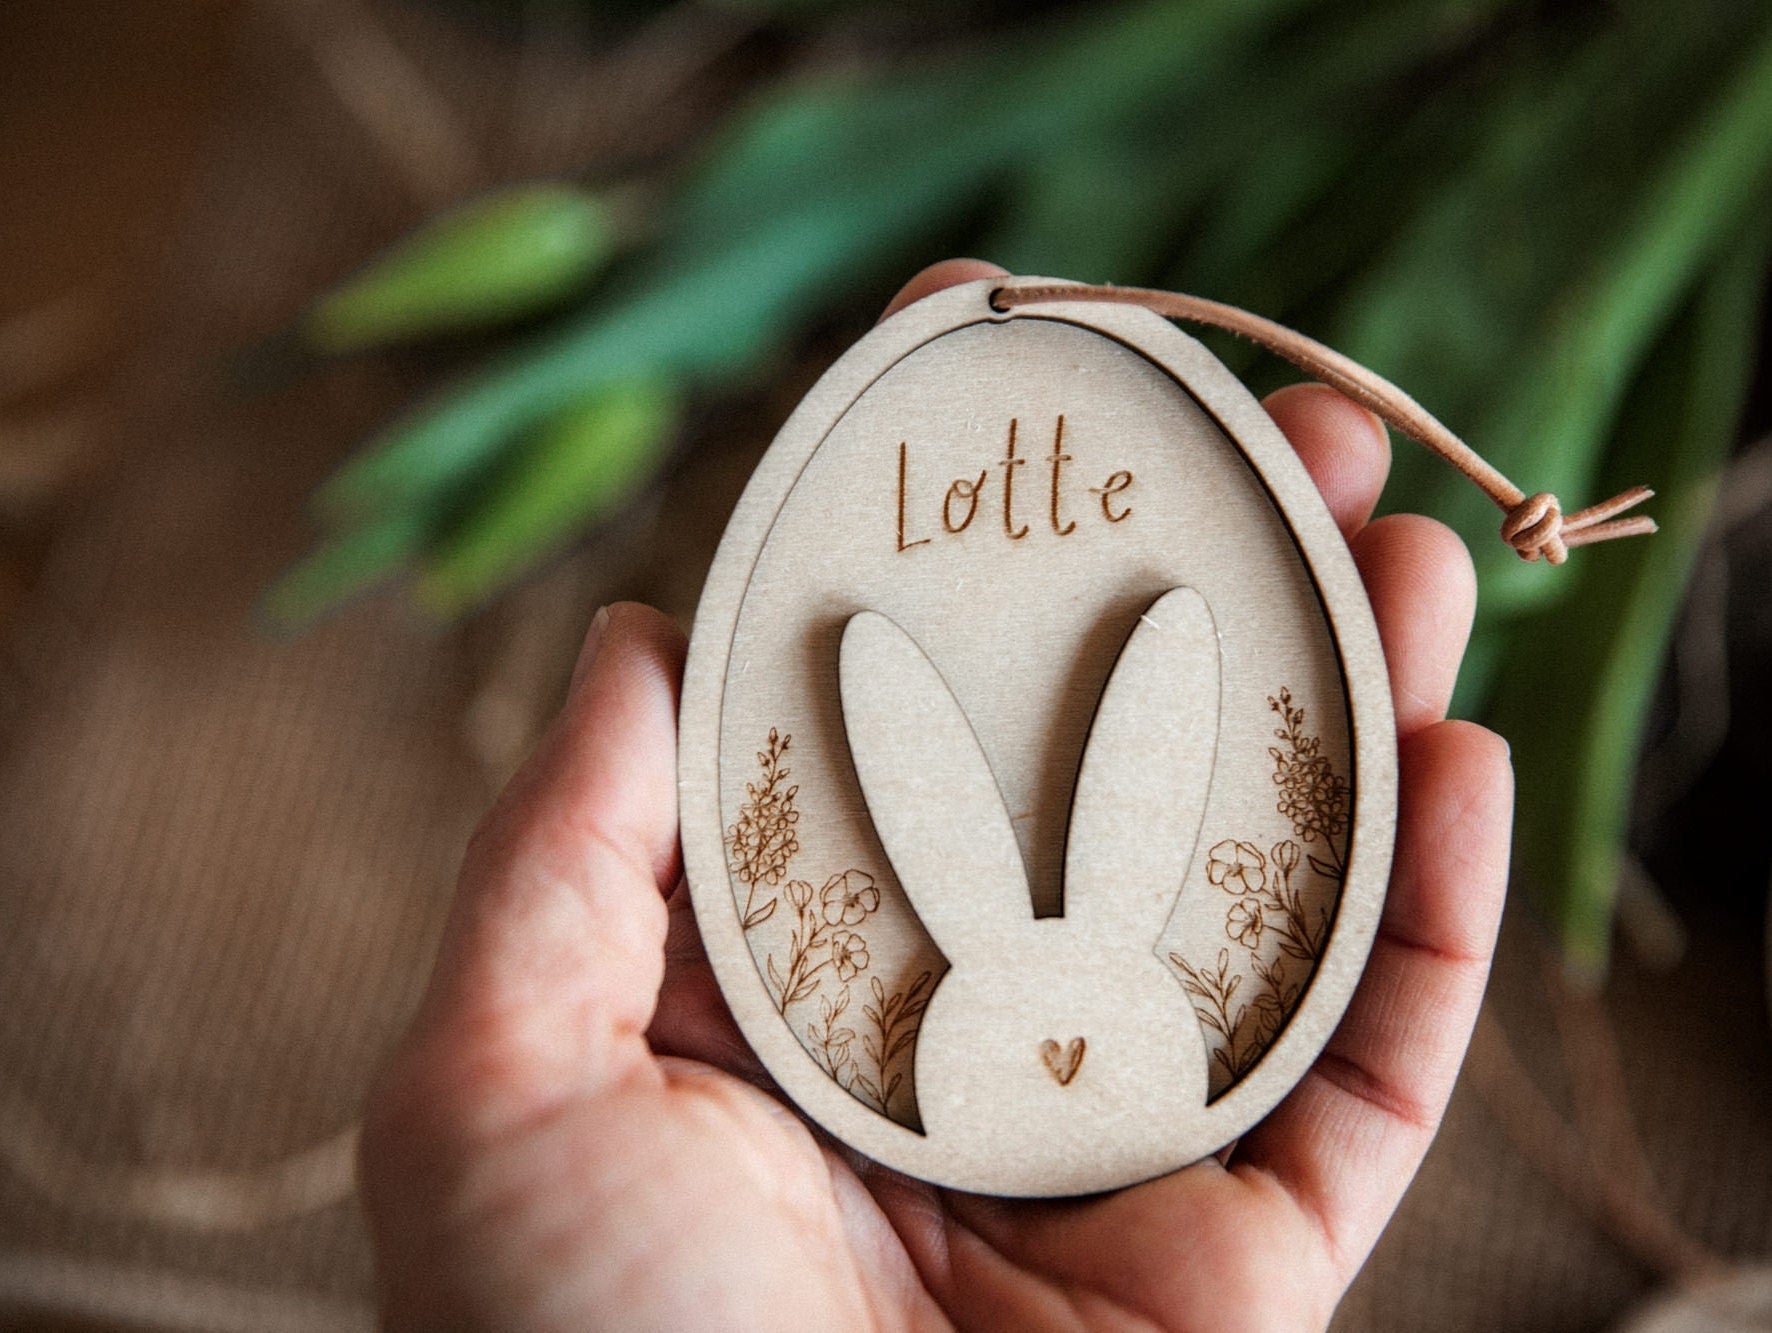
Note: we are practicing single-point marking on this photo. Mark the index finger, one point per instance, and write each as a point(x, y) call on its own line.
point(1347, 1141)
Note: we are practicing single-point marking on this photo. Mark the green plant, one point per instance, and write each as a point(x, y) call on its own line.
point(513, 253)
point(1531, 217)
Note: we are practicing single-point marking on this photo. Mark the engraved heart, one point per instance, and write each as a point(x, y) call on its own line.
point(1062, 1062)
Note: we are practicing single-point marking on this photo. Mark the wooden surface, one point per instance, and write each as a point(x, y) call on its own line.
point(900, 844)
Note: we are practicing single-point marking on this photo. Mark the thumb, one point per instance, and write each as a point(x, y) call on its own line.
point(554, 951)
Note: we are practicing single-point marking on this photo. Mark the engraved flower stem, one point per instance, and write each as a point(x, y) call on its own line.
point(810, 935)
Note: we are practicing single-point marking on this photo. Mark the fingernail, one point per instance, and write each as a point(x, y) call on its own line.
point(588, 654)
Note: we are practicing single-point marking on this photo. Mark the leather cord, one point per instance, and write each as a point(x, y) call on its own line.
point(1534, 525)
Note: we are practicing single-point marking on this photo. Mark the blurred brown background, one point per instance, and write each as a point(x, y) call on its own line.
point(224, 854)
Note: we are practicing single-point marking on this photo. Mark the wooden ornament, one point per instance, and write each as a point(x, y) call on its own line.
point(1038, 767)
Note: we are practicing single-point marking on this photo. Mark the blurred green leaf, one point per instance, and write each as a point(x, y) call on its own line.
point(343, 566)
point(1342, 138)
point(1501, 205)
point(508, 255)
point(1524, 301)
point(864, 174)
point(1107, 206)
point(581, 465)
point(1574, 681)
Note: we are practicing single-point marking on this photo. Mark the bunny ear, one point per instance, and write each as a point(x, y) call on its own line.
point(929, 789)
point(1141, 790)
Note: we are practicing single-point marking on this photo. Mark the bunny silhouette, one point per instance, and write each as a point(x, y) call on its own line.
point(1053, 1037)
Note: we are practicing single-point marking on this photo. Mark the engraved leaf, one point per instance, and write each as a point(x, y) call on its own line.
point(761, 915)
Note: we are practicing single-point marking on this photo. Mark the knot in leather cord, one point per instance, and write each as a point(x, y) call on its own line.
point(1535, 524)
point(1534, 527)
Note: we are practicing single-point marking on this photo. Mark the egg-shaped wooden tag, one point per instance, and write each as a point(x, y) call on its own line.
point(1037, 758)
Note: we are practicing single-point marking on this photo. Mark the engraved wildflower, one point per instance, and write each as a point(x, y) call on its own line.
point(1285, 856)
point(1236, 867)
point(762, 840)
point(1312, 795)
point(829, 1043)
point(836, 1040)
point(848, 898)
point(849, 954)
point(799, 893)
point(1244, 923)
point(1282, 903)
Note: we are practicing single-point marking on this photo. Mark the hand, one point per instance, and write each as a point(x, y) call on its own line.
point(571, 1135)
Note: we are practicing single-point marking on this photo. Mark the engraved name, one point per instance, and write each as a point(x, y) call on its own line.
point(997, 487)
